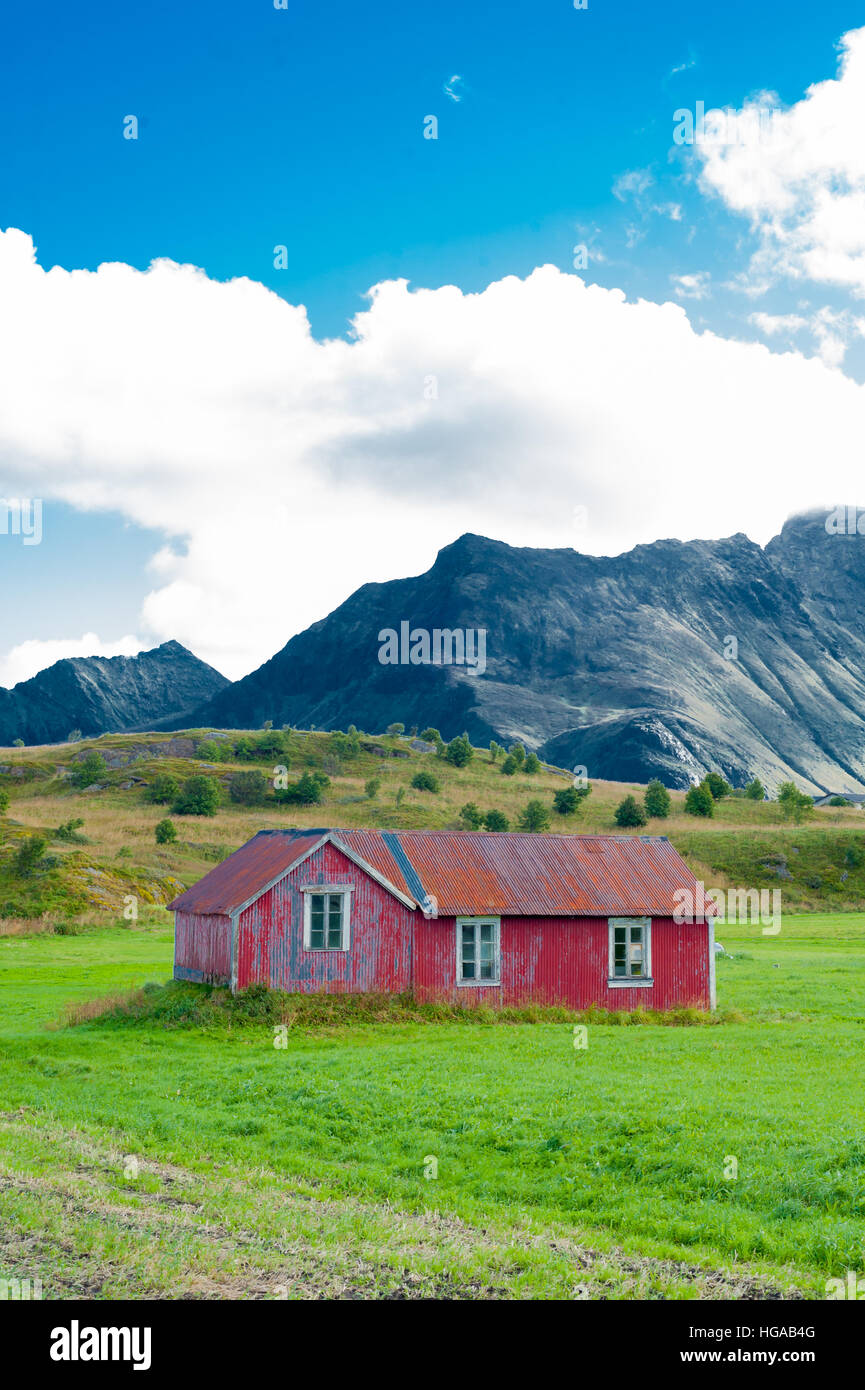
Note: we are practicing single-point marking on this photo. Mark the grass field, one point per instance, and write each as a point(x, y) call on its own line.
point(145, 1161)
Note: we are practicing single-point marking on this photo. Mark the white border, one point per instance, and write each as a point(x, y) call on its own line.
point(629, 981)
point(497, 953)
point(345, 890)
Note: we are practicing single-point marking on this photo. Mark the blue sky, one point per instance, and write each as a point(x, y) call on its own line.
point(303, 127)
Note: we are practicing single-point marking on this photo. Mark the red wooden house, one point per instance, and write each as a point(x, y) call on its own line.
point(463, 916)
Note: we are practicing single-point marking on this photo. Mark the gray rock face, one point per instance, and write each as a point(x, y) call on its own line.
point(667, 661)
point(101, 695)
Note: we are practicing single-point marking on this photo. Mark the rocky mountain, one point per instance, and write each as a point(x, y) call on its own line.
point(667, 661)
point(98, 694)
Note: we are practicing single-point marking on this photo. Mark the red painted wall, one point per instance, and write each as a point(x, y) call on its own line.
point(270, 935)
point(565, 960)
point(202, 947)
point(544, 960)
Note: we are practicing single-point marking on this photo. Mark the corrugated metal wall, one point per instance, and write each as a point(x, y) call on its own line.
point(202, 947)
point(552, 960)
point(270, 935)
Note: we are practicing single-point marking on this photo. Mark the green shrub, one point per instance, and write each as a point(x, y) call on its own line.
point(4, 801)
point(432, 736)
point(248, 788)
point(470, 816)
point(459, 751)
point(371, 788)
point(699, 801)
point(165, 832)
point(395, 730)
point(496, 751)
point(629, 812)
point(162, 790)
point(89, 770)
point(208, 751)
point(345, 746)
point(509, 766)
point(532, 764)
point(566, 801)
point(716, 786)
point(199, 796)
point(425, 782)
point(839, 801)
point(755, 791)
point(29, 855)
point(68, 831)
point(793, 803)
point(496, 820)
point(657, 800)
point(305, 792)
point(535, 817)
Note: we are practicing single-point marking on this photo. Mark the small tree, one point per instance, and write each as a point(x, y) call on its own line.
point(509, 766)
point(4, 801)
point(17, 743)
point(74, 736)
point(395, 730)
point(532, 764)
point(29, 855)
point(793, 803)
point(755, 791)
point(517, 751)
point(199, 796)
point(629, 812)
point(165, 832)
point(162, 790)
point(657, 800)
point(432, 736)
point(566, 801)
point(496, 820)
point(270, 744)
point(459, 751)
point(496, 751)
point(535, 817)
point(248, 788)
point(717, 786)
point(839, 801)
point(371, 788)
point(425, 782)
point(699, 801)
point(470, 817)
point(89, 770)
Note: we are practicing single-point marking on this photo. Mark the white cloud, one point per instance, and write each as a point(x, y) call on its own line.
point(23, 661)
point(632, 183)
point(773, 324)
point(453, 87)
point(692, 286)
point(285, 472)
point(800, 177)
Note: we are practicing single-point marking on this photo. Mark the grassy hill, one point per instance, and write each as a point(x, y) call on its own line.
point(90, 871)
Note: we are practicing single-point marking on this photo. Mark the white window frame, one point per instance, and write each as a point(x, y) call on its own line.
point(496, 924)
point(345, 891)
point(643, 981)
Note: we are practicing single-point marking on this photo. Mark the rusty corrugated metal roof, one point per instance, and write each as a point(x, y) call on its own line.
point(469, 872)
point(248, 871)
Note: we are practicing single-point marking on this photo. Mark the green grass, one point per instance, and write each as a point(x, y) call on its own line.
point(141, 1159)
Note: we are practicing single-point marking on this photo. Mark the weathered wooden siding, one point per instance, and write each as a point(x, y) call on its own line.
point(202, 947)
point(551, 960)
point(270, 935)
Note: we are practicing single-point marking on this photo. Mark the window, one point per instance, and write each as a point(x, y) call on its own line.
point(326, 914)
point(630, 951)
point(478, 955)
